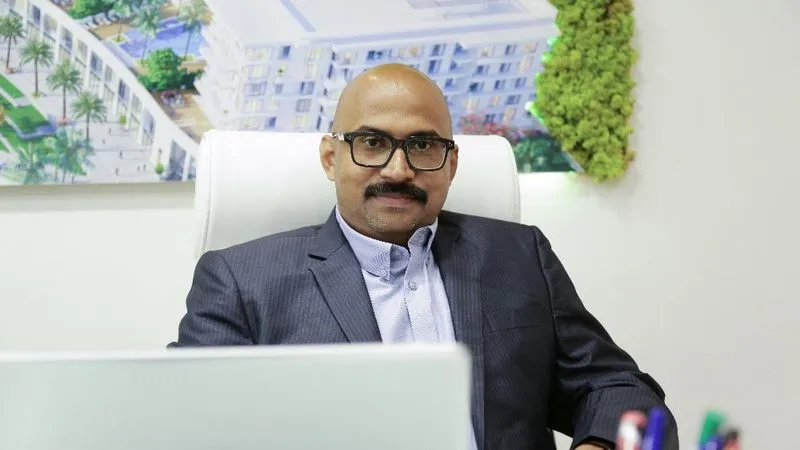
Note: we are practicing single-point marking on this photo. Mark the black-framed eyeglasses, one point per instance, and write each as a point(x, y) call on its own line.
point(371, 149)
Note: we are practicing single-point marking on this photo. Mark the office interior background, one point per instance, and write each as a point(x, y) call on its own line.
point(690, 260)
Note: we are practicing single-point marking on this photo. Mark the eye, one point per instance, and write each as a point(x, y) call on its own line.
point(419, 145)
point(373, 142)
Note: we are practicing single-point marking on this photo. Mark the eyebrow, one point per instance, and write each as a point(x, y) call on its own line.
point(427, 133)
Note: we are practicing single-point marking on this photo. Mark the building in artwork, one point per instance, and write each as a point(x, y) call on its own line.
point(280, 65)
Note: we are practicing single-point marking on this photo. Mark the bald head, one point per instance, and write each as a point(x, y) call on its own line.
point(379, 87)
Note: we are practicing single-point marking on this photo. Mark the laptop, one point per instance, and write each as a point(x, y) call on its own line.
point(343, 396)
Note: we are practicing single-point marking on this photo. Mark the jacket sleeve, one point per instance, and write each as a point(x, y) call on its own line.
point(595, 380)
point(215, 315)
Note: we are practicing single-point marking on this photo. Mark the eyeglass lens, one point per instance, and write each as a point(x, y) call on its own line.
point(375, 150)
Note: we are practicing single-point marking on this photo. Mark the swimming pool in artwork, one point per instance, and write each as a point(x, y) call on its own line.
point(171, 34)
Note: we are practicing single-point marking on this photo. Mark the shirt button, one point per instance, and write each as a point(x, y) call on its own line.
point(412, 285)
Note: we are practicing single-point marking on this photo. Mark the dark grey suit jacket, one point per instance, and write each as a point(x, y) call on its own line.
point(541, 361)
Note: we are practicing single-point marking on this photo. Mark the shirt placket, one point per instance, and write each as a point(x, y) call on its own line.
point(416, 297)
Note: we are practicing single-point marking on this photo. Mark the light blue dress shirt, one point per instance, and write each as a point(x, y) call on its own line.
point(405, 287)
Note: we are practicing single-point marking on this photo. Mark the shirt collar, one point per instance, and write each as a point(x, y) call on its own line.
point(374, 256)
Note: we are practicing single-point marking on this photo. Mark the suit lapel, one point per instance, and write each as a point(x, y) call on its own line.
point(338, 274)
point(461, 275)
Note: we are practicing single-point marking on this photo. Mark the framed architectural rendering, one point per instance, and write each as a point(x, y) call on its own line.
point(121, 91)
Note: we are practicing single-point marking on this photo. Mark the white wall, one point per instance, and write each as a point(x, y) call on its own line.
point(85, 267)
point(690, 262)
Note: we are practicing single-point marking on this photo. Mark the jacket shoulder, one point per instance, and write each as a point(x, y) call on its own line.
point(482, 227)
point(504, 239)
point(278, 248)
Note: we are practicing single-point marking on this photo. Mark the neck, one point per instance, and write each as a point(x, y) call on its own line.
point(400, 238)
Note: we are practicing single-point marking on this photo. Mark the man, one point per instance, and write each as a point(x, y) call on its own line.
point(390, 265)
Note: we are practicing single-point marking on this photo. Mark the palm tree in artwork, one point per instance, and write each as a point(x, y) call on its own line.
point(69, 152)
point(124, 9)
point(32, 162)
point(152, 3)
point(11, 30)
point(192, 15)
point(90, 107)
point(148, 21)
point(40, 53)
point(67, 78)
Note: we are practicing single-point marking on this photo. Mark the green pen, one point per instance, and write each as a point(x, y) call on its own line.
point(711, 424)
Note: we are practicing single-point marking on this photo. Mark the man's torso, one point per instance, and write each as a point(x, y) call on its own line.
point(300, 287)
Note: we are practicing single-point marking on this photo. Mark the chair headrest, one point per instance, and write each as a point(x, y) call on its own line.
point(251, 184)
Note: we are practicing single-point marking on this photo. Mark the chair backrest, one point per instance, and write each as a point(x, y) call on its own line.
point(251, 184)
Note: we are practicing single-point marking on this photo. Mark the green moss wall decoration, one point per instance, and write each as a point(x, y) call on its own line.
point(584, 95)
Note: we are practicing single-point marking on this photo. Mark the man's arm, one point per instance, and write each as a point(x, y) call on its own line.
point(215, 315)
point(595, 380)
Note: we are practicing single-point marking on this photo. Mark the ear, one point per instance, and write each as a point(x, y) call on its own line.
point(327, 156)
point(453, 162)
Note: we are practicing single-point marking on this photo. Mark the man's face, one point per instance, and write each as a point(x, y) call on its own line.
point(390, 202)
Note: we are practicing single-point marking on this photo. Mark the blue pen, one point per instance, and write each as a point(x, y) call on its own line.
point(654, 433)
point(714, 443)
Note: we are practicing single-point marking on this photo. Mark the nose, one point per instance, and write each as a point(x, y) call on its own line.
point(397, 169)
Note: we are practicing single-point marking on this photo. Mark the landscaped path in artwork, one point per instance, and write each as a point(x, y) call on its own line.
point(118, 157)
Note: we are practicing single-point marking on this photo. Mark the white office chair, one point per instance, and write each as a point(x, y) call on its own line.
point(250, 184)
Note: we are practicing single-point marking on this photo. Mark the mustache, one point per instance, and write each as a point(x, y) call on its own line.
point(396, 188)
